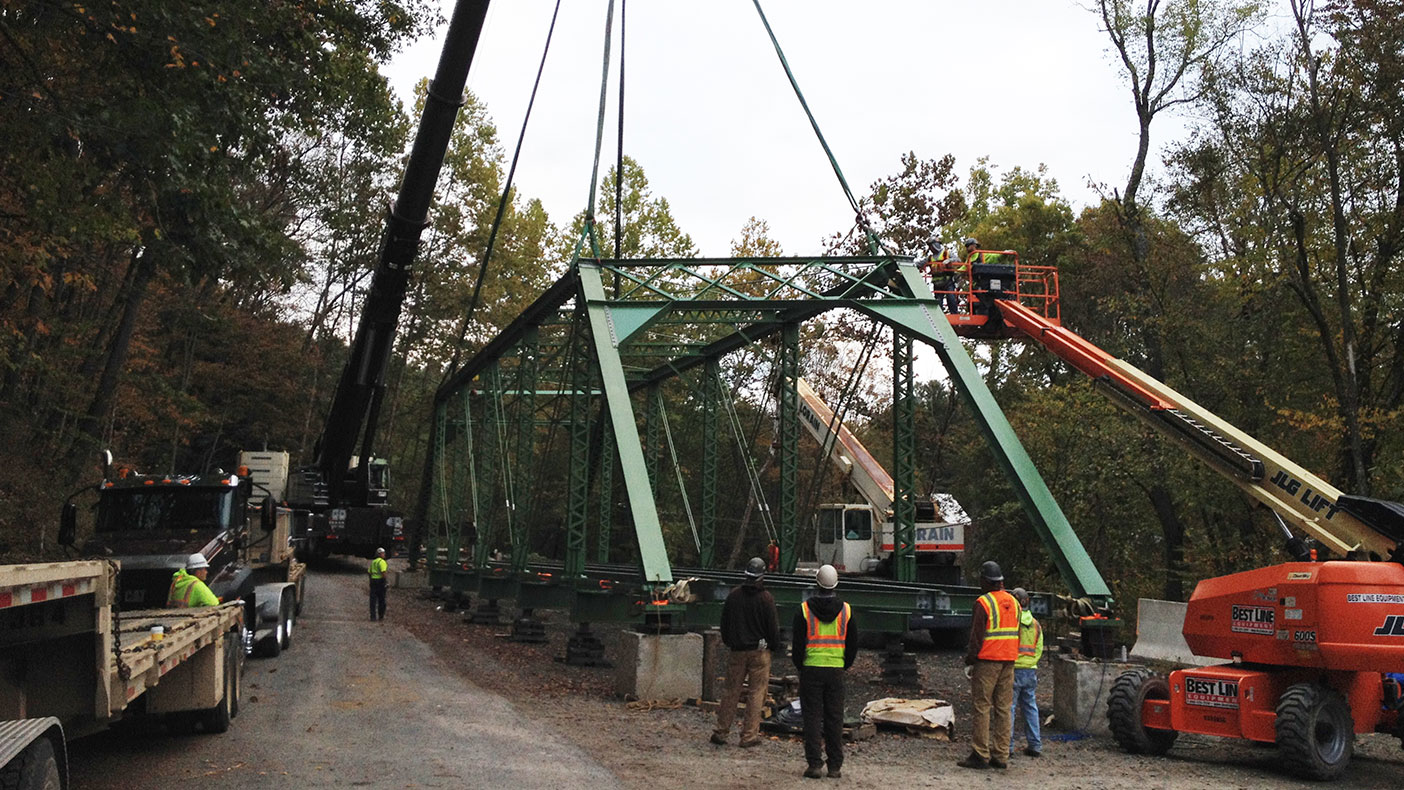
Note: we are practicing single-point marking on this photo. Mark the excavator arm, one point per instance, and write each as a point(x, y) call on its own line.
point(1340, 522)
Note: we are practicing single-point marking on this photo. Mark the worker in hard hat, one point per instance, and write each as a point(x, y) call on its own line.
point(377, 570)
point(1026, 677)
point(750, 629)
point(944, 270)
point(188, 587)
point(825, 644)
point(993, 648)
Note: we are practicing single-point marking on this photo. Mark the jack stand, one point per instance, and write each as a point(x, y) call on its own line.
point(584, 649)
point(899, 667)
point(487, 613)
point(528, 629)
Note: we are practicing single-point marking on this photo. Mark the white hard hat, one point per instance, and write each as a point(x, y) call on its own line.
point(380, 551)
point(827, 577)
point(196, 562)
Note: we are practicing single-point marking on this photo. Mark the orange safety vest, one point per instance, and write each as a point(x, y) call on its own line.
point(1001, 627)
point(823, 642)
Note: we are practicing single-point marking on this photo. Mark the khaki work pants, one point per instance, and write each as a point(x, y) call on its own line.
point(751, 667)
point(992, 689)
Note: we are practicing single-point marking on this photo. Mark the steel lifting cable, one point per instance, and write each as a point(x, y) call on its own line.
point(677, 468)
point(599, 138)
point(752, 476)
point(500, 429)
point(873, 241)
point(619, 158)
point(507, 187)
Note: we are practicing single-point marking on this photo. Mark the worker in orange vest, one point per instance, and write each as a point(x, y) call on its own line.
point(990, 656)
point(772, 557)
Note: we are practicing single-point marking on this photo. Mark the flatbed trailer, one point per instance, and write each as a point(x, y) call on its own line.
point(72, 663)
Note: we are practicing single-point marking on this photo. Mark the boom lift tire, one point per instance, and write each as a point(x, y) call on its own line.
point(36, 768)
point(1124, 704)
point(1315, 730)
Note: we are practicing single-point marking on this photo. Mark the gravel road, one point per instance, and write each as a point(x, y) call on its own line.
point(351, 704)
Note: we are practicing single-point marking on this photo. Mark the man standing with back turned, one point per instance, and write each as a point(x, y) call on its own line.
point(994, 646)
point(825, 645)
point(750, 628)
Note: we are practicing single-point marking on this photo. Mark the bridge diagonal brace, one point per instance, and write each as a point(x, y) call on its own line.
point(653, 553)
point(923, 319)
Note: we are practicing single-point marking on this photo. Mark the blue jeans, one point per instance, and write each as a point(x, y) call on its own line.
point(1025, 702)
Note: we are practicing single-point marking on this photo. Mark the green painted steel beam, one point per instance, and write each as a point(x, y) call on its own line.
point(711, 428)
point(903, 459)
point(578, 486)
point(923, 319)
point(788, 365)
point(653, 553)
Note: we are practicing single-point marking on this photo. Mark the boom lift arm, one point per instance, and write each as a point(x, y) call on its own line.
point(1340, 522)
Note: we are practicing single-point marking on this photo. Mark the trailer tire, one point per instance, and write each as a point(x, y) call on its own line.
point(287, 616)
point(1128, 694)
point(216, 720)
point(1315, 730)
point(36, 768)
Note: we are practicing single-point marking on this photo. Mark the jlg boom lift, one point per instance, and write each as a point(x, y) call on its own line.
point(1311, 644)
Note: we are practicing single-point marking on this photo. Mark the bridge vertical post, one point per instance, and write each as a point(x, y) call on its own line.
point(579, 487)
point(605, 490)
point(437, 483)
point(789, 445)
point(523, 492)
point(711, 398)
point(903, 459)
point(653, 432)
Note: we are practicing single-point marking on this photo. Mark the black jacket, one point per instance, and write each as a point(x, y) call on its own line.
point(748, 616)
point(826, 608)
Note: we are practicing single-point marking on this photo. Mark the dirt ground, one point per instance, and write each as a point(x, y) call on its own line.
point(659, 745)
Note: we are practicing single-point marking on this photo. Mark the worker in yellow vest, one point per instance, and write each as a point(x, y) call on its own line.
point(1026, 677)
point(990, 656)
point(378, 568)
point(825, 644)
point(188, 587)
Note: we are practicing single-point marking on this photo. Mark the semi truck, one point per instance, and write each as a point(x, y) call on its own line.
point(859, 538)
point(152, 523)
point(74, 660)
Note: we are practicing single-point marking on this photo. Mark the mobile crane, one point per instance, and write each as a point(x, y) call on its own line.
point(1313, 645)
point(860, 538)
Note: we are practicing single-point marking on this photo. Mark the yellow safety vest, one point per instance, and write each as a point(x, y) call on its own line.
point(823, 642)
point(1030, 641)
point(378, 567)
point(1001, 627)
point(188, 591)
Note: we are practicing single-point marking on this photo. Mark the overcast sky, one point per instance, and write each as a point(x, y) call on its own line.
point(715, 125)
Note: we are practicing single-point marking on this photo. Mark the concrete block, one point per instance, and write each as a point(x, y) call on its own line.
point(714, 655)
point(659, 666)
point(1080, 689)
point(1159, 634)
point(408, 580)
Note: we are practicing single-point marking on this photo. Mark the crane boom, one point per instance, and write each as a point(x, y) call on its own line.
point(1340, 522)
point(873, 482)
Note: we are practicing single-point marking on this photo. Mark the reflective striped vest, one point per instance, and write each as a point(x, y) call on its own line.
point(187, 590)
point(1030, 641)
point(823, 642)
point(1001, 627)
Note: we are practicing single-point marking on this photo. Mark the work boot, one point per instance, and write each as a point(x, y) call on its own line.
point(974, 761)
point(1000, 764)
point(835, 773)
point(813, 772)
point(746, 744)
point(1032, 752)
point(718, 739)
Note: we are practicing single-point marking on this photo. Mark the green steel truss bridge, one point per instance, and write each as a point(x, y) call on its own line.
point(553, 407)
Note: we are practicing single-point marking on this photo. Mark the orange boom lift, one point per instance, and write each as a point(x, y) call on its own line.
point(1314, 648)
